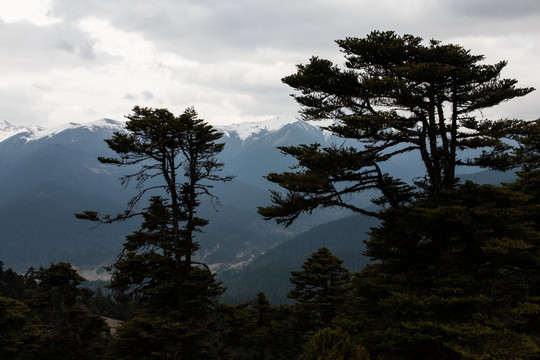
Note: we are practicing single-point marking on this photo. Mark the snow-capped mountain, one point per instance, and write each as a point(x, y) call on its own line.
point(247, 130)
point(35, 133)
point(7, 130)
point(46, 175)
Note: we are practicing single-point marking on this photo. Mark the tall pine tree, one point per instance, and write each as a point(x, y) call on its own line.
point(456, 268)
point(179, 154)
point(395, 95)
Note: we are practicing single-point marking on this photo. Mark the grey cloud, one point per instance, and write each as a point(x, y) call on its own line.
point(235, 29)
point(83, 48)
point(147, 95)
point(21, 106)
point(503, 9)
point(212, 30)
point(238, 50)
point(39, 48)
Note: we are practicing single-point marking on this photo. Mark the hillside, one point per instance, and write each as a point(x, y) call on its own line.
point(270, 272)
point(47, 175)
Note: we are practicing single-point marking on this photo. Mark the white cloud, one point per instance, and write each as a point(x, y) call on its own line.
point(80, 60)
point(34, 11)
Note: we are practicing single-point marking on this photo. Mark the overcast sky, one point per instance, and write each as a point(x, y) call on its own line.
point(78, 61)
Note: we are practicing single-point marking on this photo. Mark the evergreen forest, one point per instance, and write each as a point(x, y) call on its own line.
point(454, 269)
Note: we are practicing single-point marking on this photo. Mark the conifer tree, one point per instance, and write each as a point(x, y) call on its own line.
point(454, 278)
point(321, 288)
point(395, 96)
point(457, 267)
point(528, 151)
point(332, 344)
point(70, 330)
point(248, 330)
point(457, 274)
point(178, 153)
point(19, 336)
point(12, 285)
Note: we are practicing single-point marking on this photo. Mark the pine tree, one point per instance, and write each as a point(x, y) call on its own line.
point(321, 288)
point(454, 278)
point(395, 96)
point(71, 331)
point(456, 265)
point(332, 344)
point(179, 154)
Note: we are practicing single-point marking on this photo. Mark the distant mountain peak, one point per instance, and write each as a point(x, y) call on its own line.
point(106, 123)
point(34, 133)
point(5, 125)
point(245, 130)
point(7, 129)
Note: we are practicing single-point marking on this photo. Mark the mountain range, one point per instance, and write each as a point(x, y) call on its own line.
point(47, 175)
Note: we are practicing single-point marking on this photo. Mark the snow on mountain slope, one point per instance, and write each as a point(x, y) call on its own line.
point(34, 132)
point(55, 173)
point(7, 130)
point(248, 129)
point(243, 130)
point(107, 124)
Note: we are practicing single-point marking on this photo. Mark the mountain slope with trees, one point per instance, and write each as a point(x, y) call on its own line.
point(48, 175)
point(270, 272)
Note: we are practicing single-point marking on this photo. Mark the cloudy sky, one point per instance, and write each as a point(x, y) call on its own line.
point(67, 60)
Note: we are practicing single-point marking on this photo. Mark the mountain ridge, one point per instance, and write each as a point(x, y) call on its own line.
point(38, 161)
point(47, 175)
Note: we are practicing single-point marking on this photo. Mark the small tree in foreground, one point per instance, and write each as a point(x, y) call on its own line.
point(321, 288)
point(70, 331)
point(332, 344)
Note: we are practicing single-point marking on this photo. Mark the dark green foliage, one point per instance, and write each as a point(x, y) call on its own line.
point(396, 95)
point(148, 335)
point(15, 286)
point(58, 288)
point(321, 287)
point(528, 151)
point(48, 318)
point(69, 329)
point(332, 344)
point(176, 156)
point(19, 337)
point(454, 279)
point(257, 330)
